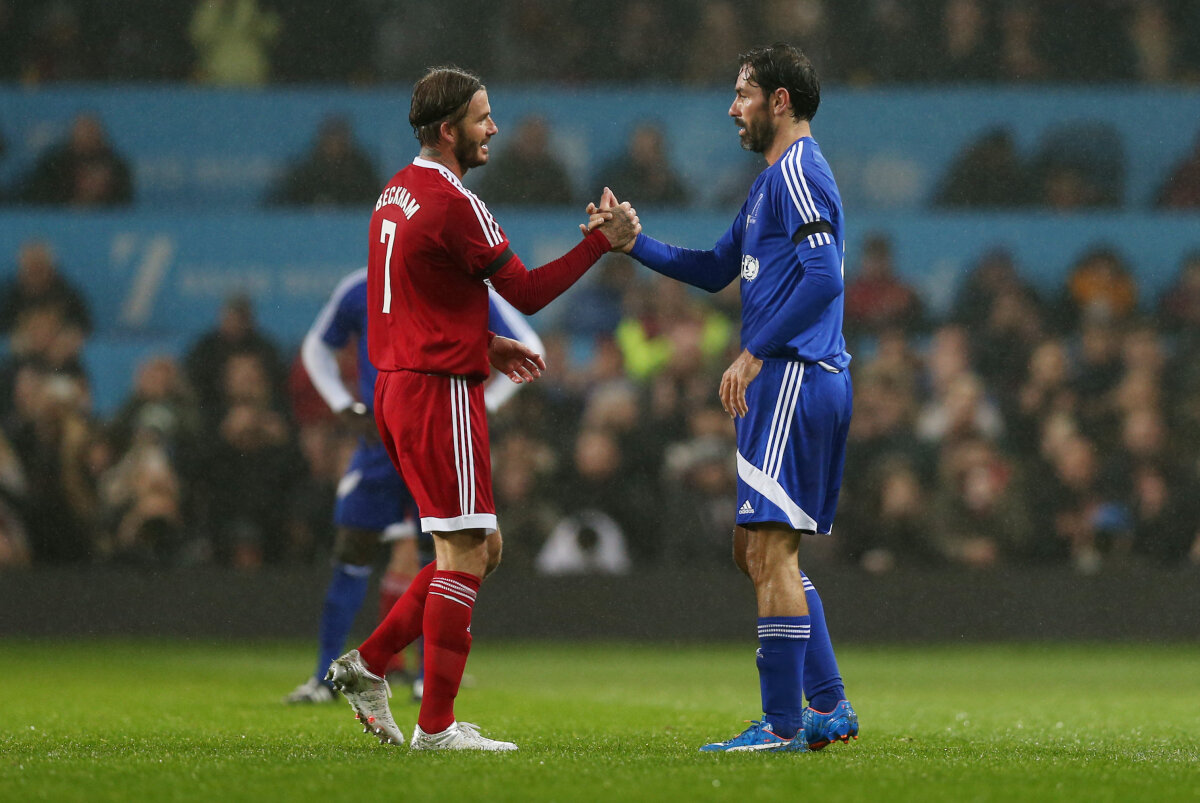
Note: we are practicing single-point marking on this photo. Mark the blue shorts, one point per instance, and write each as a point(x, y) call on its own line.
point(792, 445)
point(372, 496)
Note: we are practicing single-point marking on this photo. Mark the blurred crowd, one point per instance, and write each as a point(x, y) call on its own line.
point(1015, 429)
point(253, 42)
point(1076, 165)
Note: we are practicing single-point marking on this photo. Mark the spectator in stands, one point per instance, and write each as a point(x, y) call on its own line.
point(811, 22)
point(335, 172)
point(876, 298)
point(1046, 390)
point(1179, 305)
point(965, 53)
point(527, 171)
point(1022, 47)
point(640, 52)
point(14, 491)
point(1082, 521)
point(538, 38)
point(43, 340)
point(39, 284)
point(84, 170)
point(895, 500)
point(1081, 165)
point(524, 467)
point(53, 437)
point(236, 333)
point(988, 173)
point(980, 513)
point(644, 170)
point(961, 411)
point(251, 466)
point(1166, 516)
point(591, 496)
point(161, 409)
point(715, 43)
point(232, 39)
point(58, 47)
point(1152, 41)
point(1182, 188)
point(1100, 287)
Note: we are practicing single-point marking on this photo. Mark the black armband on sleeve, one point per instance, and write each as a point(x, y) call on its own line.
point(816, 227)
point(497, 263)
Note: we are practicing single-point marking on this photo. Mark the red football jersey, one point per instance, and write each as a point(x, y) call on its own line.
point(433, 243)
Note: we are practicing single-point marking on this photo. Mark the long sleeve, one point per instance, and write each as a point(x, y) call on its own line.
point(530, 290)
point(709, 270)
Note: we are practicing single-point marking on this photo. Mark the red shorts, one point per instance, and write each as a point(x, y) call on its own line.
point(435, 429)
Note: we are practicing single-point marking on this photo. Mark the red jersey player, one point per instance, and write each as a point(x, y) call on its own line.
point(433, 249)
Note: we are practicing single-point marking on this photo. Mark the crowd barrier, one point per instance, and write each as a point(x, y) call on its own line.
point(666, 605)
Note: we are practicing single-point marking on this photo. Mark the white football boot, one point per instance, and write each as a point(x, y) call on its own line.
point(311, 691)
point(367, 694)
point(459, 736)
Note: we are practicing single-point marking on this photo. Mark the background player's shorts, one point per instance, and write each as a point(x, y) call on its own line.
point(435, 430)
point(372, 496)
point(792, 445)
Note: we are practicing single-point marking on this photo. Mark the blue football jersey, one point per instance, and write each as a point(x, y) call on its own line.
point(790, 229)
point(345, 317)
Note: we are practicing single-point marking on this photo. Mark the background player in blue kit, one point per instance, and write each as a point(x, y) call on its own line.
point(373, 503)
point(788, 391)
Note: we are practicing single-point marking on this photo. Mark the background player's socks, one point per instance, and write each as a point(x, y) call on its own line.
point(782, 640)
point(401, 626)
point(392, 586)
point(822, 682)
point(447, 643)
point(343, 598)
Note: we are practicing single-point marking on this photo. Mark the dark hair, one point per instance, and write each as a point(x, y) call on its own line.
point(442, 95)
point(784, 65)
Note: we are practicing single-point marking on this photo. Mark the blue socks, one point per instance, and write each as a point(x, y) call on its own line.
point(782, 641)
point(822, 681)
point(343, 598)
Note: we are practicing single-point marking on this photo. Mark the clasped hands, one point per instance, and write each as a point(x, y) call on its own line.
point(618, 221)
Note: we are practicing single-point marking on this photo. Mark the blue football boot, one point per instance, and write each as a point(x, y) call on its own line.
point(758, 736)
point(840, 724)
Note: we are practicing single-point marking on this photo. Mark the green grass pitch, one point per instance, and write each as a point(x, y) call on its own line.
point(147, 721)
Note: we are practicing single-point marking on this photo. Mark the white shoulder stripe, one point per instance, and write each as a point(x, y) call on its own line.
point(791, 186)
point(487, 223)
point(804, 184)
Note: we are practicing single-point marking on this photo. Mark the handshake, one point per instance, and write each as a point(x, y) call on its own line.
point(618, 221)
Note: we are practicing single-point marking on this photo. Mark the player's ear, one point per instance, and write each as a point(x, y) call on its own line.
point(780, 100)
point(447, 131)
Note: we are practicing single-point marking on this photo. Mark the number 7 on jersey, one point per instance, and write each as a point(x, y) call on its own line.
point(387, 234)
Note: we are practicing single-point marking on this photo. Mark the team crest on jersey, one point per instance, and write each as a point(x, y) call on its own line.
point(749, 267)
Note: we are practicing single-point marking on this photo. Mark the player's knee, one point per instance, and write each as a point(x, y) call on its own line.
point(355, 547)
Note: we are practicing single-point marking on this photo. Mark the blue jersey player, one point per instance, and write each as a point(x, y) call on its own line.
point(373, 504)
point(788, 391)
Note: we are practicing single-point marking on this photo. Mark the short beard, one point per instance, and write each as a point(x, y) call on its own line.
point(758, 137)
point(466, 151)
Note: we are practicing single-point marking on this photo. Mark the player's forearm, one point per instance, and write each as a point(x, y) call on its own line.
point(812, 295)
point(320, 362)
point(530, 290)
point(703, 269)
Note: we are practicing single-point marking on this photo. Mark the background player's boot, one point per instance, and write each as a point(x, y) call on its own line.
point(311, 691)
point(840, 724)
point(757, 737)
point(459, 736)
point(367, 694)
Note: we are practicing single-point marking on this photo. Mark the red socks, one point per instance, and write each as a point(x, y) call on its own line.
point(447, 629)
point(391, 588)
point(401, 626)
